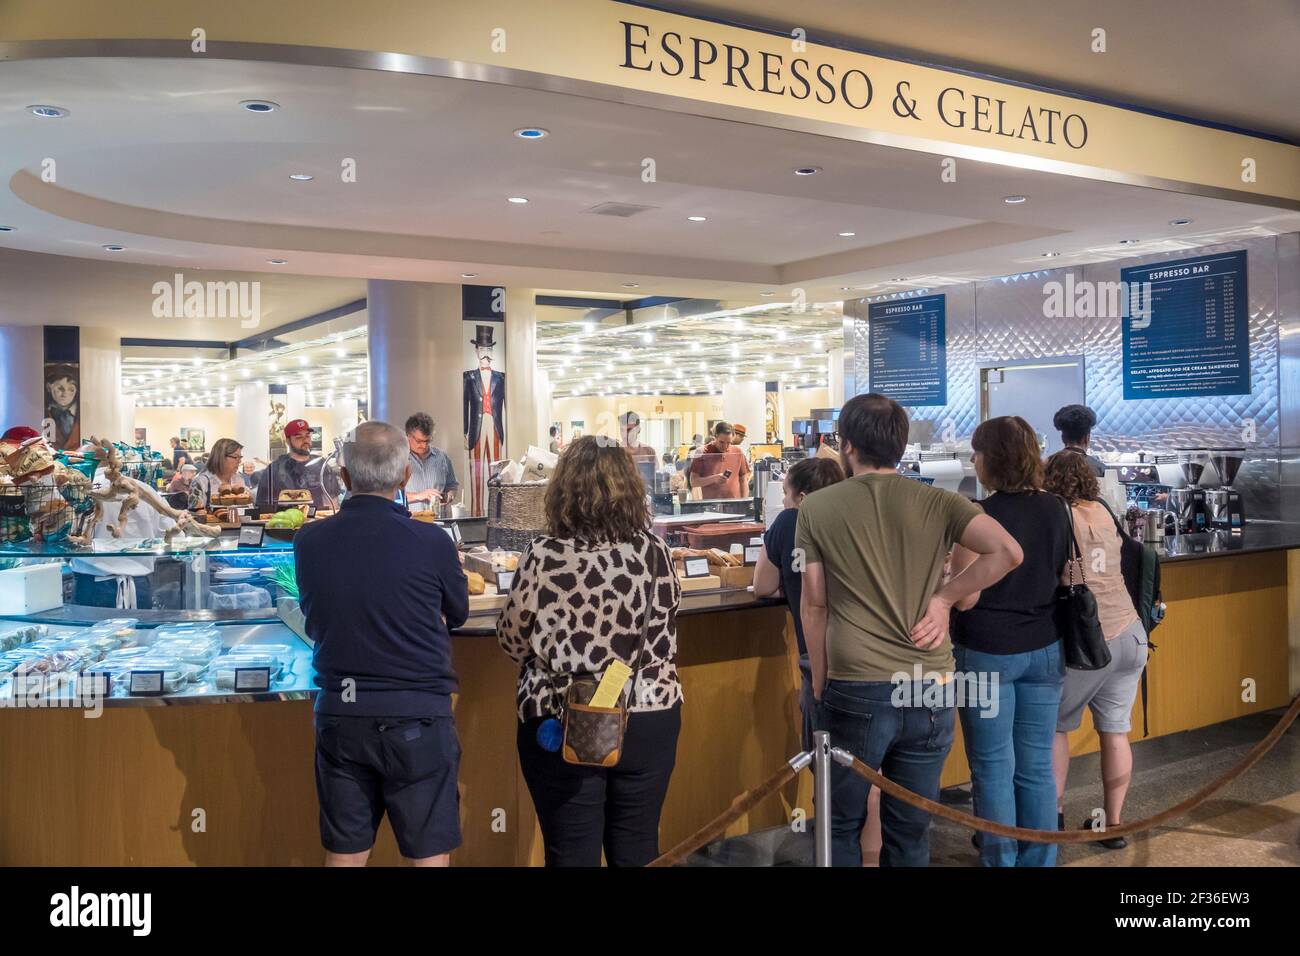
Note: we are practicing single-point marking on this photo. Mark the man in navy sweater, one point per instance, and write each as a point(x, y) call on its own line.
point(380, 593)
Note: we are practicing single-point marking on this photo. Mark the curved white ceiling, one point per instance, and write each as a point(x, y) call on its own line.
point(155, 155)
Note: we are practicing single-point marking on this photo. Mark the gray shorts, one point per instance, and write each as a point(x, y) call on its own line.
point(1109, 692)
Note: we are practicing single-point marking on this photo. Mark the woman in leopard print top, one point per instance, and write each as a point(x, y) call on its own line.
point(578, 601)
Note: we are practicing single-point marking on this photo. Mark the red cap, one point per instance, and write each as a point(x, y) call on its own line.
point(19, 434)
point(298, 426)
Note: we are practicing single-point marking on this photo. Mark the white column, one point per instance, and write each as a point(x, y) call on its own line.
point(743, 403)
point(101, 385)
point(253, 419)
point(522, 405)
point(22, 388)
point(417, 359)
point(126, 427)
point(835, 376)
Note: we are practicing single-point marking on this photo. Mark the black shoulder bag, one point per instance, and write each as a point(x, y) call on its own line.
point(1082, 640)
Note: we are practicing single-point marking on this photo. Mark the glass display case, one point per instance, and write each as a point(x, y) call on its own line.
point(220, 624)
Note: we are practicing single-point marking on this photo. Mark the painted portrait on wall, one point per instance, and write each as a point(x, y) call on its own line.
point(62, 423)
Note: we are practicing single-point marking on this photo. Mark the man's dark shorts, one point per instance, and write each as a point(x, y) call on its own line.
point(406, 766)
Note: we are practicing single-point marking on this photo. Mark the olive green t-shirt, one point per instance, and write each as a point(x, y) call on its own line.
point(881, 540)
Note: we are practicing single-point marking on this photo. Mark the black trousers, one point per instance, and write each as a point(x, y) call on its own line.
point(584, 809)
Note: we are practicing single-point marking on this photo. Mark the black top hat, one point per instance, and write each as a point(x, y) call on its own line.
point(483, 337)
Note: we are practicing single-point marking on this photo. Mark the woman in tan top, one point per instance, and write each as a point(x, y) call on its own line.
point(1109, 692)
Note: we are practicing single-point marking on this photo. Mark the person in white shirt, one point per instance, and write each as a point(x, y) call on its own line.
point(119, 581)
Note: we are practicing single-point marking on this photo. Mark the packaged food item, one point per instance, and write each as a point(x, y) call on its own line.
point(131, 652)
point(16, 635)
point(224, 668)
point(14, 523)
point(157, 675)
point(283, 654)
point(123, 628)
point(192, 650)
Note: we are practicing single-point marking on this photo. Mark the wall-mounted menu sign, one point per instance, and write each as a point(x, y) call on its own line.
point(1186, 331)
point(908, 350)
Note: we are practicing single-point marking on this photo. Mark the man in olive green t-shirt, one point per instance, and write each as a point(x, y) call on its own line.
point(873, 606)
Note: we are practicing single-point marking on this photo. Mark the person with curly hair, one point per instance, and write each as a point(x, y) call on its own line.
point(582, 594)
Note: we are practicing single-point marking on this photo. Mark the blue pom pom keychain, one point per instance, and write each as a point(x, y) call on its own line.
point(550, 735)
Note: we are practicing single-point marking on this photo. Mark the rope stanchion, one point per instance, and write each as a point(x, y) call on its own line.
point(1072, 836)
point(716, 827)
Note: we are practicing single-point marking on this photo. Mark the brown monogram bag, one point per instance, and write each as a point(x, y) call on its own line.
point(593, 736)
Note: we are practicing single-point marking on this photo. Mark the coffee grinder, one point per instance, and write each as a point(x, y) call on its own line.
point(1195, 516)
point(1225, 505)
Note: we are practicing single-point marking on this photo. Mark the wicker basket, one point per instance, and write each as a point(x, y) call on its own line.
point(516, 514)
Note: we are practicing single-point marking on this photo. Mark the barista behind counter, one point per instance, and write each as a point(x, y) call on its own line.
point(721, 470)
point(298, 468)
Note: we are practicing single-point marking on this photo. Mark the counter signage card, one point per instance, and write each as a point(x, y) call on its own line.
point(504, 580)
point(696, 567)
point(752, 552)
point(146, 683)
point(1185, 327)
point(251, 535)
point(252, 678)
point(909, 350)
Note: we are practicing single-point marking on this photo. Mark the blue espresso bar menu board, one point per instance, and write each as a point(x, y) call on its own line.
point(1186, 333)
point(908, 347)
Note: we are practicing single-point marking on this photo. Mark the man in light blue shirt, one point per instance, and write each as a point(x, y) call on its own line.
point(433, 479)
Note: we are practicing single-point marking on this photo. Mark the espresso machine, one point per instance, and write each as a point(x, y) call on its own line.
point(1190, 505)
point(1224, 502)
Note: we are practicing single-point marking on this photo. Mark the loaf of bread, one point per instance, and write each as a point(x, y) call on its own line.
point(476, 583)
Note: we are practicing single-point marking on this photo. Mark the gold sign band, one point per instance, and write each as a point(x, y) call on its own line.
point(626, 52)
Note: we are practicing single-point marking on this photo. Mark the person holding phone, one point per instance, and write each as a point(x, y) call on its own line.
point(721, 470)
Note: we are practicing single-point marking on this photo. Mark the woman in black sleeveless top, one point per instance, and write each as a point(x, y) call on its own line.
point(1007, 649)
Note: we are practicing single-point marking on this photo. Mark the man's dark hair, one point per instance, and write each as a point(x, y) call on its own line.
point(876, 427)
point(628, 419)
point(420, 422)
point(1075, 423)
point(554, 431)
point(723, 428)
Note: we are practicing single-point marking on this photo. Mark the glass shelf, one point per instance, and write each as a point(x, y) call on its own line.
point(147, 548)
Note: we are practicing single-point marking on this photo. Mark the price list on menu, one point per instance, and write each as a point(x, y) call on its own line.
point(1186, 331)
point(908, 350)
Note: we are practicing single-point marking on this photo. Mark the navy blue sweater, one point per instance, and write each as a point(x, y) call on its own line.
point(374, 587)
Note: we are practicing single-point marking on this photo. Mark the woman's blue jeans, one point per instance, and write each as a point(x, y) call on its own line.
point(1009, 747)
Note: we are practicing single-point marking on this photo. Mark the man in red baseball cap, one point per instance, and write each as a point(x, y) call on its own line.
point(299, 468)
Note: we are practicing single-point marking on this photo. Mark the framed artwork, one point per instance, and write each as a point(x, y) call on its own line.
point(576, 428)
point(317, 442)
point(141, 436)
point(193, 440)
point(484, 405)
point(62, 423)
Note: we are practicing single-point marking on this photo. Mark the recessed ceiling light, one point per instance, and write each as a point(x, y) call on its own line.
point(532, 132)
point(302, 177)
point(631, 285)
point(1180, 222)
point(807, 170)
point(647, 337)
point(697, 218)
point(259, 106)
point(48, 112)
point(6, 228)
point(278, 262)
point(900, 279)
point(469, 275)
point(112, 247)
point(846, 288)
point(517, 200)
point(847, 235)
point(766, 294)
point(1014, 200)
point(1129, 242)
point(1050, 255)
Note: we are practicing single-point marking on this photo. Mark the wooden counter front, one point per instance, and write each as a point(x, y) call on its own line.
point(128, 787)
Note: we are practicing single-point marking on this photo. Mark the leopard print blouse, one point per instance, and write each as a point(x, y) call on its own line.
point(574, 607)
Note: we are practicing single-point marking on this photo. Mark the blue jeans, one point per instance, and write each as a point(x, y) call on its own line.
point(1010, 751)
point(907, 744)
